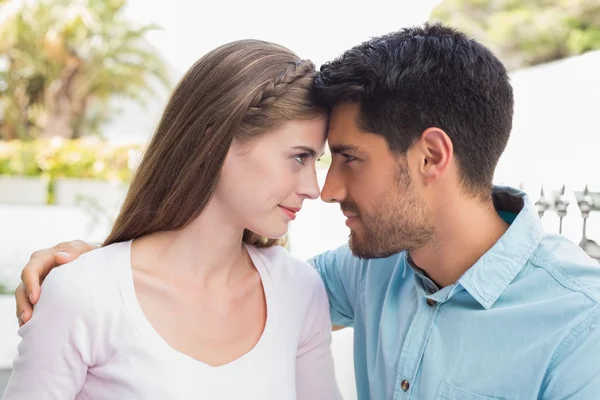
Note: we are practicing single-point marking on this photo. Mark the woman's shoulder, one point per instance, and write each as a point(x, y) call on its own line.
point(284, 267)
point(79, 284)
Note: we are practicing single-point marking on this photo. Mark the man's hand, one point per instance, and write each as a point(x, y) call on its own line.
point(40, 264)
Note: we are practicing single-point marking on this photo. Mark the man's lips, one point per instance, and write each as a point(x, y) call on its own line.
point(351, 217)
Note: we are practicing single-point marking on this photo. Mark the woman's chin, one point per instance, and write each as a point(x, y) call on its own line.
point(273, 233)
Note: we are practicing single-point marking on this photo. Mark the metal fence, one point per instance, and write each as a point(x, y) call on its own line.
point(587, 202)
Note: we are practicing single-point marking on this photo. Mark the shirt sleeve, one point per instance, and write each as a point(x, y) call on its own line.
point(315, 374)
point(340, 272)
point(574, 372)
point(57, 343)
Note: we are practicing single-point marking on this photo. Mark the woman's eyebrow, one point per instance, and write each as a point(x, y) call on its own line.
point(312, 152)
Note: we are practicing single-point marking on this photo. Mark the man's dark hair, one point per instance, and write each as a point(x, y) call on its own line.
point(422, 77)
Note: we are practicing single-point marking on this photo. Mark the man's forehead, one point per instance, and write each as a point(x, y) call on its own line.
point(345, 132)
point(343, 125)
point(343, 115)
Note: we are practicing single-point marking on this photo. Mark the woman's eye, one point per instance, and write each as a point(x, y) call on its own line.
point(301, 158)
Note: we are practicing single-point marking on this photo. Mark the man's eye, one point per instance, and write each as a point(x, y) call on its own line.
point(348, 158)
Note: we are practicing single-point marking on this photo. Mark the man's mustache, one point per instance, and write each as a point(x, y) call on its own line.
point(349, 207)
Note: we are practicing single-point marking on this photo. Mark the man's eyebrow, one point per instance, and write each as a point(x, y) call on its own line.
point(343, 148)
point(311, 152)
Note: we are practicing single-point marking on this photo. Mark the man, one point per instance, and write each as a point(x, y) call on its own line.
point(452, 287)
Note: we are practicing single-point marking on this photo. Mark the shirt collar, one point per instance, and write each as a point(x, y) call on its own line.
point(487, 279)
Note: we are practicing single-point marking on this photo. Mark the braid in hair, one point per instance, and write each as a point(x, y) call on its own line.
point(277, 87)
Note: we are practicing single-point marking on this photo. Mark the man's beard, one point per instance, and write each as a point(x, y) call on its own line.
point(398, 222)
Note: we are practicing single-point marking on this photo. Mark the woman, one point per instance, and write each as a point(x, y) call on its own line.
point(189, 297)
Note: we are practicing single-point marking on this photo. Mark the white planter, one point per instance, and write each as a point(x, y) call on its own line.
point(9, 339)
point(103, 195)
point(23, 190)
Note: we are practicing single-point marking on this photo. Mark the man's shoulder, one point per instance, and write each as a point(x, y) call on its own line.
point(341, 262)
point(343, 256)
point(568, 267)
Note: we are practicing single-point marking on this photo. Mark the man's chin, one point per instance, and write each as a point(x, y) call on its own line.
point(367, 251)
point(361, 250)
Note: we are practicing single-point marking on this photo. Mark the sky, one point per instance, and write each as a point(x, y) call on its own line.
point(317, 30)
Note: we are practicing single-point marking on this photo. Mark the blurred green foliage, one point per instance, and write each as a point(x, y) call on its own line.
point(58, 158)
point(526, 32)
point(62, 62)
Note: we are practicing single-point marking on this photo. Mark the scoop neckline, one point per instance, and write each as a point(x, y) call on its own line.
point(156, 342)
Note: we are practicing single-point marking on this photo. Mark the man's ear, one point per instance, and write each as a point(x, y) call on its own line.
point(434, 152)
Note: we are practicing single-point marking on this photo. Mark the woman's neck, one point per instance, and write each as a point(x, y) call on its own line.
point(209, 249)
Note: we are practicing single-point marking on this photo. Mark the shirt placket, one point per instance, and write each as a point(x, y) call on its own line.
point(414, 344)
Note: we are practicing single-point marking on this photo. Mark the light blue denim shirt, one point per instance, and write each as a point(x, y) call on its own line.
point(522, 323)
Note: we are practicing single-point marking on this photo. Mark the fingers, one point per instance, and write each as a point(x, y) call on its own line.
point(38, 266)
point(43, 261)
point(63, 257)
point(24, 306)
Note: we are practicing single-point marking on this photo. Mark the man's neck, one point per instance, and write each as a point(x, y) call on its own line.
point(463, 234)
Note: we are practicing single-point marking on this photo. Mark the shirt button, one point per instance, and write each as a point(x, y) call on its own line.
point(431, 302)
point(405, 385)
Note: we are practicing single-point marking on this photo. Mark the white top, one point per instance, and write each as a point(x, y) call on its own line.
point(89, 339)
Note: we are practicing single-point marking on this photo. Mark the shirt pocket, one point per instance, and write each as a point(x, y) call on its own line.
point(448, 391)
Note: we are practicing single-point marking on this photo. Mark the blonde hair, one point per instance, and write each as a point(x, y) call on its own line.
point(239, 90)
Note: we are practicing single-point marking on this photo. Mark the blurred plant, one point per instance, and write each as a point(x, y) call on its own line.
point(526, 32)
point(18, 158)
point(325, 160)
point(62, 61)
point(87, 158)
point(5, 290)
